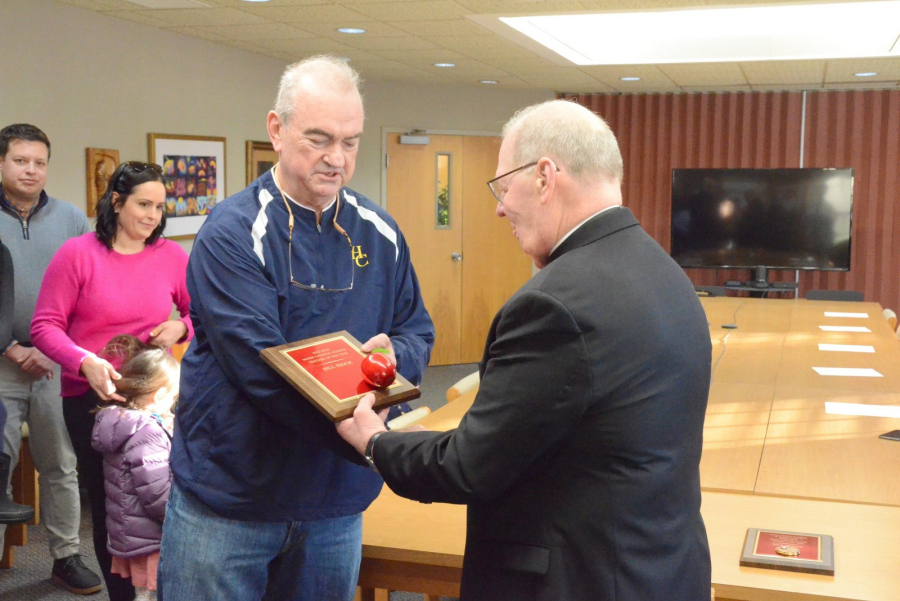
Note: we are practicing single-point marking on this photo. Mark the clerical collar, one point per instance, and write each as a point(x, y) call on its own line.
point(572, 231)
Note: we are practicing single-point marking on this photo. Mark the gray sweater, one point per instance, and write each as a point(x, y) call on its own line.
point(32, 244)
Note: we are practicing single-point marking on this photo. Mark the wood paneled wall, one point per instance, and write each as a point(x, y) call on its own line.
point(858, 129)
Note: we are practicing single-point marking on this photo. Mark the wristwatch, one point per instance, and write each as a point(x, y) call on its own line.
point(370, 451)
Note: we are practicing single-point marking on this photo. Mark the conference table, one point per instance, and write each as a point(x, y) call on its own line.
point(800, 391)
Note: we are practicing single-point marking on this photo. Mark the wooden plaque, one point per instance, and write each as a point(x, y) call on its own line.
point(326, 370)
point(789, 551)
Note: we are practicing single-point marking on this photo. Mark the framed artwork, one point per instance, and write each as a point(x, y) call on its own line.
point(100, 163)
point(260, 158)
point(195, 178)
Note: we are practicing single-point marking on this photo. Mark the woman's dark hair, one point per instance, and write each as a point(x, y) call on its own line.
point(124, 180)
point(144, 369)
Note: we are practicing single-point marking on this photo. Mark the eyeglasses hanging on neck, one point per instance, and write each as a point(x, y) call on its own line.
point(337, 206)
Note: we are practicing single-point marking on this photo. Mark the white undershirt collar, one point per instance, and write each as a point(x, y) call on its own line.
point(572, 231)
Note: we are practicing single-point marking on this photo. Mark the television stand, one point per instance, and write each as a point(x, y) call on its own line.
point(764, 287)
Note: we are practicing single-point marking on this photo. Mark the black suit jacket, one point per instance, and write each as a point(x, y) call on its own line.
point(579, 459)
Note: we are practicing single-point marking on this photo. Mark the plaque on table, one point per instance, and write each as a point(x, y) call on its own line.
point(789, 551)
point(326, 370)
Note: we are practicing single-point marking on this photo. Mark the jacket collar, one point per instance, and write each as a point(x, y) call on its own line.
point(595, 228)
point(7, 206)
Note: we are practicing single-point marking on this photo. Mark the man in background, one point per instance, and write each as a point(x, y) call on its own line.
point(33, 226)
point(580, 456)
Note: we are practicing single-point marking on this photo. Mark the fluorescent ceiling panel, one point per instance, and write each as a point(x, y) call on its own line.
point(810, 31)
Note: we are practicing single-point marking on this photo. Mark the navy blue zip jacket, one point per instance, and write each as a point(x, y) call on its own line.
point(246, 444)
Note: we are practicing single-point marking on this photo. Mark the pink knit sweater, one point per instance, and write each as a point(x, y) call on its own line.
point(91, 294)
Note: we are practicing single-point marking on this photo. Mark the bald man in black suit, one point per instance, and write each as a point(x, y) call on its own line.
point(579, 459)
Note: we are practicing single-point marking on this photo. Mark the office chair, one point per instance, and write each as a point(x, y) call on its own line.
point(891, 318)
point(834, 295)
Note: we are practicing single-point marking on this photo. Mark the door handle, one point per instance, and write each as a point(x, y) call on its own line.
point(456, 257)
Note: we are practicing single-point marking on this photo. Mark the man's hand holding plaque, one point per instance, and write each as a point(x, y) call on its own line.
point(328, 371)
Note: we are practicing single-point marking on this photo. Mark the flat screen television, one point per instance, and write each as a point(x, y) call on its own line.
point(762, 218)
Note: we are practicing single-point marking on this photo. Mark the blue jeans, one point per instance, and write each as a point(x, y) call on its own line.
point(207, 557)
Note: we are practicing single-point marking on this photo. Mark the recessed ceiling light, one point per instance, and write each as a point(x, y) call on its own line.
point(489, 81)
point(866, 74)
point(753, 33)
point(256, 0)
point(630, 78)
point(351, 30)
point(445, 64)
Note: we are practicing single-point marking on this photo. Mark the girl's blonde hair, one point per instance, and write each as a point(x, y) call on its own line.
point(144, 369)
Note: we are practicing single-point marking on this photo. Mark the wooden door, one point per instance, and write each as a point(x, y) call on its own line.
point(412, 199)
point(494, 266)
point(469, 267)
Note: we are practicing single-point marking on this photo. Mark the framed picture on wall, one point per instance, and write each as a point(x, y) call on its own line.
point(195, 178)
point(260, 158)
point(100, 164)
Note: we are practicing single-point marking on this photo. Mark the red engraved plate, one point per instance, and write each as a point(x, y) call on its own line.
point(335, 364)
point(809, 546)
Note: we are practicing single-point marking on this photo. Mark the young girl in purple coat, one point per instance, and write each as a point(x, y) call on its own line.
point(135, 439)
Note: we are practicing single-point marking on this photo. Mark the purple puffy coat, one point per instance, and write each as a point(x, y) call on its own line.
point(135, 451)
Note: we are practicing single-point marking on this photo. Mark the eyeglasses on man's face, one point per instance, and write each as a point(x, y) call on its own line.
point(494, 184)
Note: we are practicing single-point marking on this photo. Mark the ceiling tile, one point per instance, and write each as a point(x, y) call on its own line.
point(785, 87)
point(490, 7)
point(650, 76)
point(144, 17)
point(249, 47)
point(424, 57)
point(374, 29)
point(422, 10)
point(317, 13)
point(202, 16)
point(196, 33)
point(305, 46)
point(244, 3)
point(442, 27)
point(704, 74)
point(98, 5)
point(784, 72)
point(428, 31)
point(256, 31)
point(400, 46)
point(717, 88)
point(888, 69)
point(635, 5)
point(861, 86)
point(481, 46)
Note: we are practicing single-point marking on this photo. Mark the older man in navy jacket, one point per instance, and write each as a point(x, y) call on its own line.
point(267, 499)
point(579, 459)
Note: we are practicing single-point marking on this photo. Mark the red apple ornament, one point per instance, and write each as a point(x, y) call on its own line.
point(377, 369)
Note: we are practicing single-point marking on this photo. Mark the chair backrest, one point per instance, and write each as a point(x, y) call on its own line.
point(408, 418)
point(178, 350)
point(891, 318)
point(834, 295)
point(463, 386)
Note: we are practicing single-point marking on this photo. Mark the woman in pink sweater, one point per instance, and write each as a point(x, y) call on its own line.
point(123, 279)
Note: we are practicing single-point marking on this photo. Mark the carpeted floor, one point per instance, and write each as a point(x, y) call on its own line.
point(30, 579)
